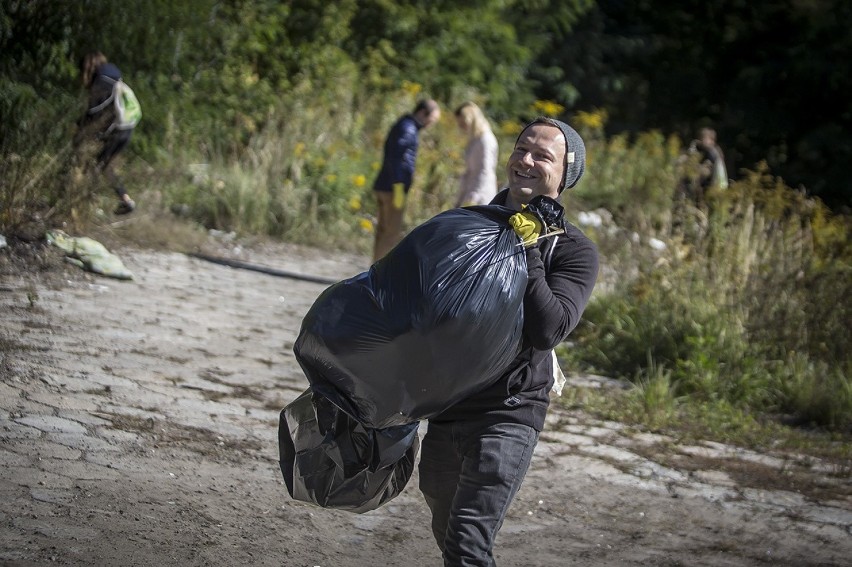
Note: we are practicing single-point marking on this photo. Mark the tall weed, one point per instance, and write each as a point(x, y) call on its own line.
point(632, 177)
point(36, 156)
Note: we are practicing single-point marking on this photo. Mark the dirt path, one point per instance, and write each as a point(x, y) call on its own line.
point(138, 426)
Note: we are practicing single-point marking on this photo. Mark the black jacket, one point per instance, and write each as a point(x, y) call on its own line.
point(400, 155)
point(562, 271)
point(99, 91)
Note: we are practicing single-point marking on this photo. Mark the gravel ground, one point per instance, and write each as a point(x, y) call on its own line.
point(138, 426)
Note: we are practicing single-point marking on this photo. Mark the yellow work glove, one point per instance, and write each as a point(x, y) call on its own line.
point(527, 226)
point(398, 195)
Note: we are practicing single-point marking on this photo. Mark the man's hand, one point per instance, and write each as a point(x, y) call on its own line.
point(526, 225)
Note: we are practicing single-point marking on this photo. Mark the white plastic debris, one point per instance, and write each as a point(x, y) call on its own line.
point(656, 244)
point(589, 219)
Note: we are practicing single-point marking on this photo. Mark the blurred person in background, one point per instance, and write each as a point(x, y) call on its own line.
point(702, 167)
point(713, 173)
point(478, 183)
point(97, 124)
point(397, 173)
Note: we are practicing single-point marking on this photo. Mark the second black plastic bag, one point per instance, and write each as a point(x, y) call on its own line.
point(329, 459)
point(434, 321)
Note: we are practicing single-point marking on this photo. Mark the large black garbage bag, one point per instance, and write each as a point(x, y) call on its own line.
point(437, 319)
point(329, 459)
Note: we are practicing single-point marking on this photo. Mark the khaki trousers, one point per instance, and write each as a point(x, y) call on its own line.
point(388, 224)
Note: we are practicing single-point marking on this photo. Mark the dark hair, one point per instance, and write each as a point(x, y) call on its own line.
point(89, 64)
point(426, 104)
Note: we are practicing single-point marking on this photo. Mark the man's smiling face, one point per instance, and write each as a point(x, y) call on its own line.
point(537, 164)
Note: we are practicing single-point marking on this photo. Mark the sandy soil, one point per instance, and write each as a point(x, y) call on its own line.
point(138, 426)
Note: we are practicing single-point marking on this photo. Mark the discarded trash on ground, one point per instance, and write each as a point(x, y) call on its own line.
point(89, 255)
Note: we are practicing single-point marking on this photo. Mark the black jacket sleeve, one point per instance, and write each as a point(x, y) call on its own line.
point(556, 297)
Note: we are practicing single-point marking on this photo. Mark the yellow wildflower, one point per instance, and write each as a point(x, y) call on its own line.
point(359, 180)
point(299, 149)
point(366, 225)
point(412, 88)
point(594, 120)
point(510, 128)
point(355, 203)
point(547, 108)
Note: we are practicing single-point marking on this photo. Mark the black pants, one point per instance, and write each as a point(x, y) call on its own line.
point(115, 142)
point(469, 474)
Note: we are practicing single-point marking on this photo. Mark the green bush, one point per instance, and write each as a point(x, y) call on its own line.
point(634, 180)
point(751, 310)
point(36, 156)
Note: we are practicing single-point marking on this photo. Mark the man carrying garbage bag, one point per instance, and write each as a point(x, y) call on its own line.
point(456, 325)
point(475, 454)
point(392, 346)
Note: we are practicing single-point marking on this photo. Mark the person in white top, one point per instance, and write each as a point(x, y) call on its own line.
point(478, 183)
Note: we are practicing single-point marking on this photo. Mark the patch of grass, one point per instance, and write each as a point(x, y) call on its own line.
point(655, 393)
point(650, 406)
point(150, 226)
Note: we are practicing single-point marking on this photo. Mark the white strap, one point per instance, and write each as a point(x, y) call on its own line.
point(104, 104)
point(550, 253)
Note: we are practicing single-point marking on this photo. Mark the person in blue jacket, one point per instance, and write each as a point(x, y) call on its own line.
point(98, 76)
point(476, 453)
point(397, 172)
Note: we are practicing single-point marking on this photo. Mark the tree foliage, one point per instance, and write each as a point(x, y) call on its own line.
point(767, 75)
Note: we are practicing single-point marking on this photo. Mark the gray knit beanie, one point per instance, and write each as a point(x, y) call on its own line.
point(575, 151)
